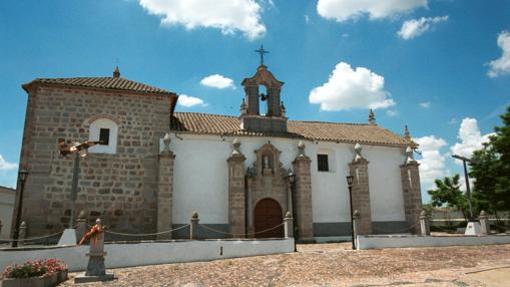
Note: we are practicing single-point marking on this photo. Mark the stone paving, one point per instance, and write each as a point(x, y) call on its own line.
point(333, 265)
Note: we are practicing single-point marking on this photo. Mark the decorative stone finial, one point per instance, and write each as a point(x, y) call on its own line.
point(288, 215)
point(356, 214)
point(410, 155)
point(407, 135)
point(243, 108)
point(371, 117)
point(236, 144)
point(357, 150)
point(166, 141)
point(301, 148)
point(194, 215)
point(483, 214)
point(116, 72)
point(408, 139)
point(81, 215)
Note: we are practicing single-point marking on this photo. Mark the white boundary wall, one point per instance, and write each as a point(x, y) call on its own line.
point(400, 241)
point(150, 253)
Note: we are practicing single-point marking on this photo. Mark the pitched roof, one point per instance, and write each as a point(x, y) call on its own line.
point(200, 123)
point(115, 83)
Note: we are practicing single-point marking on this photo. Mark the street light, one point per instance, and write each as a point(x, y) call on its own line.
point(79, 150)
point(350, 180)
point(466, 177)
point(22, 177)
point(292, 181)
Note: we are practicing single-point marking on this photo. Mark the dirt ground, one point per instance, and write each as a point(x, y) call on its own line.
point(333, 265)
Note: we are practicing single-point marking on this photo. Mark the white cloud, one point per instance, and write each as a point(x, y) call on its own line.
point(391, 113)
point(425, 105)
point(189, 101)
point(415, 27)
point(432, 162)
point(349, 88)
point(230, 16)
point(501, 66)
point(342, 10)
point(453, 121)
point(217, 81)
point(470, 138)
point(5, 165)
point(307, 19)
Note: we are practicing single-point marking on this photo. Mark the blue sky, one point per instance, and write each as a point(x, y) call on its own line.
point(442, 67)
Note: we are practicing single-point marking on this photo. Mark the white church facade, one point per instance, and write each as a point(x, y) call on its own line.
point(242, 174)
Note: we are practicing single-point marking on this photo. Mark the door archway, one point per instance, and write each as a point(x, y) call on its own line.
point(268, 214)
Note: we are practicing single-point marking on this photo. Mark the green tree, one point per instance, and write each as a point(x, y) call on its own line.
point(448, 193)
point(490, 167)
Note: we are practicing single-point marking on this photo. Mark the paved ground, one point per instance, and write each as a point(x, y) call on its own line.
point(334, 265)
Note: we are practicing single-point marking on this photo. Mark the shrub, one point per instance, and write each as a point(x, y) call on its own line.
point(34, 268)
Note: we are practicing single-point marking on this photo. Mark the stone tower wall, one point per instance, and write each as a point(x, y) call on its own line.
point(120, 188)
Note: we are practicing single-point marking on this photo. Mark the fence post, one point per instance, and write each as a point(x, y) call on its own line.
point(81, 225)
point(22, 233)
point(287, 225)
point(193, 227)
point(424, 224)
point(355, 222)
point(485, 228)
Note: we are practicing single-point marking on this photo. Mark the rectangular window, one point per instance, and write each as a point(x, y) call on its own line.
point(322, 162)
point(104, 136)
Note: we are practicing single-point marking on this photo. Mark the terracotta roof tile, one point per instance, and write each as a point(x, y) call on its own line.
point(102, 83)
point(200, 123)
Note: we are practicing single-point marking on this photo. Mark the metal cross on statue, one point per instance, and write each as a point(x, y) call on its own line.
point(261, 51)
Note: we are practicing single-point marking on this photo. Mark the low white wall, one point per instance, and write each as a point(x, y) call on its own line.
point(395, 241)
point(149, 253)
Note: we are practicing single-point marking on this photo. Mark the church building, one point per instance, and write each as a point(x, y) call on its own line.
point(155, 165)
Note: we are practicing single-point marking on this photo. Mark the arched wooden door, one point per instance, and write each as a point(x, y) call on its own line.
point(268, 214)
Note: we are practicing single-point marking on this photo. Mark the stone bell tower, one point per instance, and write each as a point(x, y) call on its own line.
point(251, 119)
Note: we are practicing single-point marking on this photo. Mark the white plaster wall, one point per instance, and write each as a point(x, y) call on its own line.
point(149, 253)
point(6, 209)
point(201, 177)
point(376, 242)
point(386, 195)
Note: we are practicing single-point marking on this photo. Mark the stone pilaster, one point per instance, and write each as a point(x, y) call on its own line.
point(165, 188)
point(303, 195)
point(361, 191)
point(410, 176)
point(236, 191)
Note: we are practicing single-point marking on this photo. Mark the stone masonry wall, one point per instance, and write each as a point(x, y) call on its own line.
point(120, 188)
point(410, 176)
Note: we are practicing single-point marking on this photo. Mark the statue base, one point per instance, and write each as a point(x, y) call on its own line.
point(473, 228)
point(82, 278)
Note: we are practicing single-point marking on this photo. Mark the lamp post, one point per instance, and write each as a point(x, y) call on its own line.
point(466, 177)
point(22, 177)
point(350, 180)
point(292, 180)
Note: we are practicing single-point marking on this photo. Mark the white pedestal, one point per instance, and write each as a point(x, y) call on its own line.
point(68, 237)
point(473, 228)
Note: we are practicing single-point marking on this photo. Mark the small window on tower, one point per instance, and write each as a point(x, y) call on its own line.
point(322, 162)
point(104, 136)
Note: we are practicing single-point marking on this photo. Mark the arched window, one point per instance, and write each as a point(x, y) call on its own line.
point(104, 130)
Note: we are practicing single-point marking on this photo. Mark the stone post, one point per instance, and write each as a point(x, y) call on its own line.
point(303, 196)
point(0, 226)
point(424, 224)
point(410, 177)
point(165, 189)
point(287, 227)
point(81, 224)
point(96, 270)
point(193, 227)
point(355, 222)
point(236, 190)
point(360, 191)
point(485, 228)
point(22, 233)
